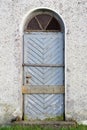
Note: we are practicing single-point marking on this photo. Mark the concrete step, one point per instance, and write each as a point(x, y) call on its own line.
point(47, 123)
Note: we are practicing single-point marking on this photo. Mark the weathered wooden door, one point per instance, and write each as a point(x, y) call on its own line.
point(43, 75)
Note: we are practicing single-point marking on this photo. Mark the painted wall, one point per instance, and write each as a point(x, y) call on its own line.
point(12, 14)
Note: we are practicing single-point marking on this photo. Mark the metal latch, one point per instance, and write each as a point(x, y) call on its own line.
point(27, 79)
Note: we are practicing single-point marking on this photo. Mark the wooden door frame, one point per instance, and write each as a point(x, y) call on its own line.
point(27, 17)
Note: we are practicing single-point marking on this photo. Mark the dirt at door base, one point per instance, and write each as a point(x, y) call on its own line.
point(57, 118)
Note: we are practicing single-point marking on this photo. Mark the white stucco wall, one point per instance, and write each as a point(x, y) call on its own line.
point(12, 13)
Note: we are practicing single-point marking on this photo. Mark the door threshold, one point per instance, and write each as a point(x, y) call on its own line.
point(47, 123)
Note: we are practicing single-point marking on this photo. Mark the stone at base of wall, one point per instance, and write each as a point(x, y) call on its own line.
point(84, 122)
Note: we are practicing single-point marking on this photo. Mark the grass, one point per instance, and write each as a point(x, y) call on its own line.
point(80, 127)
point(57, 118)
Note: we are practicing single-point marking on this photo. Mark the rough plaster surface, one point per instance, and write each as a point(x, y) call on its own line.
point(74, 13)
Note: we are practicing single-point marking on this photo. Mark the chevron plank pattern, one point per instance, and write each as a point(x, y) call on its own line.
point(43, 48)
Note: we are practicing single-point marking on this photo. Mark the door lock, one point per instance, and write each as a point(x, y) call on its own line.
point(27, 79)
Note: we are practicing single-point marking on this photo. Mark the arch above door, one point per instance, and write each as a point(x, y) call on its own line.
point(38, 11)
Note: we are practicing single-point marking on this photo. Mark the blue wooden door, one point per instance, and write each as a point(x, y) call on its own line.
point(43, 52)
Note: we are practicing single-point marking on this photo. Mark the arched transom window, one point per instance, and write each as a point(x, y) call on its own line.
point(43, 22)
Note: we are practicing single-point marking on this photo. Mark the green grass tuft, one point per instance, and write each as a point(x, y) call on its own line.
point(38, 127)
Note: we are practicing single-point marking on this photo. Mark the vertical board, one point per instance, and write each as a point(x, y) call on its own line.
point(43, 48)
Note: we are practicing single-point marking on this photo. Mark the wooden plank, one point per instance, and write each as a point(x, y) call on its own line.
point(42, 89)
point(44, 65)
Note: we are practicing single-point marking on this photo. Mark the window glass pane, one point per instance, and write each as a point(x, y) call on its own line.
point(33, 25)
point(43, 19)
point(53, 25)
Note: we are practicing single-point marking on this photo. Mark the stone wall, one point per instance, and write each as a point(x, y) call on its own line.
point(12, 14)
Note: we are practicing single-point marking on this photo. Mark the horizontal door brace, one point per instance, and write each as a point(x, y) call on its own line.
point(44, 65)
point(43, 89)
